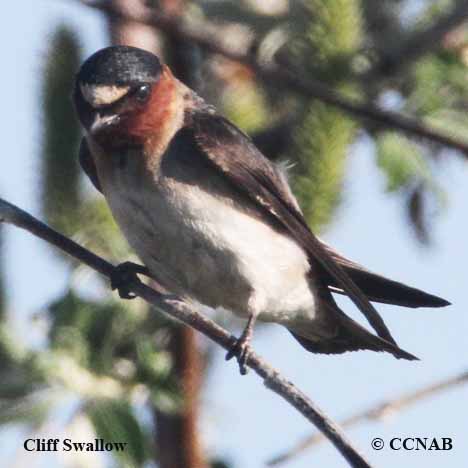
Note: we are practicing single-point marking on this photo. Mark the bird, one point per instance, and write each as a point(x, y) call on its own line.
point(212, 219)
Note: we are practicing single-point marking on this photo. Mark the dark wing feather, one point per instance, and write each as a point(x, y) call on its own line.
point(234, 155)
point(380, 289)
point(87, 164)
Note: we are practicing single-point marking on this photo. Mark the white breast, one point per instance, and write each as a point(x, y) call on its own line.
point(273, 264)
point(202, 245)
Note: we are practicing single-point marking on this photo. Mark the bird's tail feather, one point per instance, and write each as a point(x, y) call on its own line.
point(350, 336)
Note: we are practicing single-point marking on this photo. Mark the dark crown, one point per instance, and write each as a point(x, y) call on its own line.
point(120, 65)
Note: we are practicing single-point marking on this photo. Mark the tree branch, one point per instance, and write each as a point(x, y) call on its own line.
point(379, 411)
point(176, 308)
point(397, 58)
point(288, 79)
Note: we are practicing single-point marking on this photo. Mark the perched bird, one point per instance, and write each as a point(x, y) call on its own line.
point(211, 218)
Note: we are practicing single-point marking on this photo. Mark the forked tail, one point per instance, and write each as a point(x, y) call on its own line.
point(349, 336)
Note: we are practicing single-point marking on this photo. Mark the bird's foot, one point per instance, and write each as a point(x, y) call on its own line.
point(241, 350)
point(124, 275)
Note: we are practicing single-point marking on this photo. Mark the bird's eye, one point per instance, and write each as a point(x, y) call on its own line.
point(142, 93)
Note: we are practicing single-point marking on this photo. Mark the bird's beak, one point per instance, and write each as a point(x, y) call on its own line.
point(103, 122)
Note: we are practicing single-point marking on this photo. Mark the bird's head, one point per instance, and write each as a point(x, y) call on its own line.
point(124, 93)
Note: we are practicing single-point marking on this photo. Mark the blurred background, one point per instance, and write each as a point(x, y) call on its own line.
point(77, 362)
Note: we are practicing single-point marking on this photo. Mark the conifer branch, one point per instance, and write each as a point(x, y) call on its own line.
point(286, 78)
point(407, 51)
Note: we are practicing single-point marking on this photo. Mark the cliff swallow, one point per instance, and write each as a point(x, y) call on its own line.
point(214, 220)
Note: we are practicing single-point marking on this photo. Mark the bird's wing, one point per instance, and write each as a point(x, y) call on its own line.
point(377, 288)
point(233, 154)
point(87, 164)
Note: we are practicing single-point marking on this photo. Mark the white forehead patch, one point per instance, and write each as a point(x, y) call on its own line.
point(103, 95)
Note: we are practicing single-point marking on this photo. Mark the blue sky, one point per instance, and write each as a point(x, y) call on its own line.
point(242, 420)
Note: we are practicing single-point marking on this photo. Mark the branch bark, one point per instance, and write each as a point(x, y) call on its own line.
point(379, 411)
point(407, 51)
point(178, 309)
point(286, 78)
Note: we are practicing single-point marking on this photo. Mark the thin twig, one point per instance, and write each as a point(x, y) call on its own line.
point(176, 308)
point(420, 43)
point(379, 411)
point(285, 78)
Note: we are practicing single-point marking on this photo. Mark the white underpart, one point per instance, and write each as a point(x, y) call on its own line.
point(102, 95)
point(201, 245)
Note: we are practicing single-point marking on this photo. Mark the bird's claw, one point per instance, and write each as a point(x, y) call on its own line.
point(123, 276)
point(241, 350)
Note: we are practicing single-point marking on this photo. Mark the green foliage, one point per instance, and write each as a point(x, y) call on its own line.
point(408, 172)
point(450, 121)
point(103, 336)
point(21, 382)
point(439, 82)
point(60, 173)
point(20, 376)
point(115, 421)
point(326, 37)
point(246, 106)
point(323, 45)
point(94, 333)
point(321, 141)
point(154, 365)
point(438, 92)
point(29, 410)
point(401, 160)
point(434, 11)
